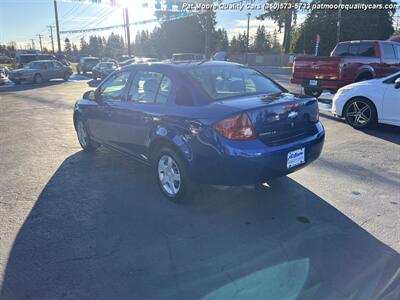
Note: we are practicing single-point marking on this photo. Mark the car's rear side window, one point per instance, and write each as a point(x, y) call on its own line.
point(388, 51)
point(367, 49)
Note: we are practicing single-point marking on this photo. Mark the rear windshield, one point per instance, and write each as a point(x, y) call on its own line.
point(232, 81)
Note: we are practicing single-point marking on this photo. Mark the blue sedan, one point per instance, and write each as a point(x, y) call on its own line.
point(212, 122)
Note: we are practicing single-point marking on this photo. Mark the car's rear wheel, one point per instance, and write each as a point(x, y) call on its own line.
point(94, 76)
point(37, 78)
point(77, 70)
point(312, 92)
point(83, 137)
point(66, 76)
point(172, 176)
point(360, 113)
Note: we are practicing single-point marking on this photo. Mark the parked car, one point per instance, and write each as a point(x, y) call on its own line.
point(4, 59)
point(349, 62)
point(86, 64)
point(23, 59)
point(39, 71)
point(185, 57)
point(207, 122)
point(363, 104)
point(3, 74)
point(103, 69)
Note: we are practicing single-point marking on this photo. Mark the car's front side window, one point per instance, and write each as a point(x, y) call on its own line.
point(114, 88)
point(150, 87)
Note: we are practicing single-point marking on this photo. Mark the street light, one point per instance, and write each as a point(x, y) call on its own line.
point(247, 40)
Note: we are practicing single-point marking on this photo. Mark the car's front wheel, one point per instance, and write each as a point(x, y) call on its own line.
point(66, 76)
point(360, 113)
point(172, 176)
point(83, 137)
point(37, 78)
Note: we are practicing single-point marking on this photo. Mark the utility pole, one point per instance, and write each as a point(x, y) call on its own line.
point(40, 42)
point(51, 36)
point(338, 22)
point(128, 34)
point(57, 26)
point(248, 37)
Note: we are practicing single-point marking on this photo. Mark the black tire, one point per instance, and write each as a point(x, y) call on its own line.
point(363, 77)
point(185, 185)
point(84, 73)
point(66, 76)
point(77, 70)
point(37, 78)
point(94, 76)
point(85, 141)
point(360, 113)
point(313, 92)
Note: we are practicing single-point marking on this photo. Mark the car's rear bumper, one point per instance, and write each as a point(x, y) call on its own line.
point(322, 84)
point(250, 162)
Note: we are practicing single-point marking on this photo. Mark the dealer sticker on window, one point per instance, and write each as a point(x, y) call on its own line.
point(313, 82)
point(295, 158)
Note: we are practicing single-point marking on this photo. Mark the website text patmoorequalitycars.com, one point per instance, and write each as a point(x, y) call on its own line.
point(253, 5)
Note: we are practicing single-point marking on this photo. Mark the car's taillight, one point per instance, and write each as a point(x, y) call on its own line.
point(238, 128)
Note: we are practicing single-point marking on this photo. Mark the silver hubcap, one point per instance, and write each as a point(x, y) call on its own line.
point(82, 135)
point(359, 113)
point(38, 79)
point(169, 175)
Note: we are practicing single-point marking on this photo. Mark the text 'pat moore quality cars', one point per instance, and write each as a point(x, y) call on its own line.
point(212, 123)
point(40, 70)
point(363, 104)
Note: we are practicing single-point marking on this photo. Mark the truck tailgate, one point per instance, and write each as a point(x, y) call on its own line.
point(318, 68)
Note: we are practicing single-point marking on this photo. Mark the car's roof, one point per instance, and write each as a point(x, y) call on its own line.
point(44, 60)
point(184, 65)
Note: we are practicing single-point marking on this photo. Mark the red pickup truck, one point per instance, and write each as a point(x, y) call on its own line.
point(349, 62)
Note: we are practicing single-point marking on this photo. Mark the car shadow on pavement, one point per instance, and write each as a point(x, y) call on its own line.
point(389, 133)
point(101, 229)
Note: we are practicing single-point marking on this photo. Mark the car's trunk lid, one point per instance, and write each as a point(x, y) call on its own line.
point(278, 118)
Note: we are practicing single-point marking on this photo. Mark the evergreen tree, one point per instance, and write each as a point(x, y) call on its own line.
point(284, 18)
point(355, 25)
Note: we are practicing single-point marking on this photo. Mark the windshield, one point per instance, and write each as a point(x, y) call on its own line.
point(232, 81)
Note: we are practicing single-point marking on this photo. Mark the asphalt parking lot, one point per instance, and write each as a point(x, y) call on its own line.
point(76, 225)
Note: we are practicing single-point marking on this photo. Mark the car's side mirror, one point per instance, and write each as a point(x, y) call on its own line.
point(397, 83)
point(90, 95)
